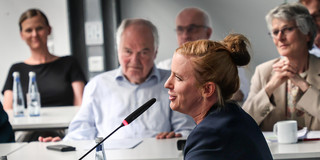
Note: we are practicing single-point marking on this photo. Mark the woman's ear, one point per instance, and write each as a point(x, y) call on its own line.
point(208, 89)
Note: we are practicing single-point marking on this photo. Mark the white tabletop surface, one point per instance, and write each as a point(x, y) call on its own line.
point(149, 149)
point(50, 117)
point(8, 148)
point(300, 150)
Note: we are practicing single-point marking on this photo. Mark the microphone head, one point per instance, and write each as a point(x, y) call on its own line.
point(138, 112)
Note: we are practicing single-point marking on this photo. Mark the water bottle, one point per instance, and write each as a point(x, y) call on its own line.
point(100, 155)
point(18, 101)
point(33, 96)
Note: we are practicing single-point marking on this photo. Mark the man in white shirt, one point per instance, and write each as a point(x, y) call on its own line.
point(194, 24)
point(111, 96)
point(313, 7)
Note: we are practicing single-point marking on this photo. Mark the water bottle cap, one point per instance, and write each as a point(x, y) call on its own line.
point(32, 74)
point(99, 139)
point(15, 74)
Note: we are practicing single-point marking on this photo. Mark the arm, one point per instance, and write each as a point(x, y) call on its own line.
point(182, 125)
point(7, 100)
point(258, 104)
point(77, 88)
point(83, 125)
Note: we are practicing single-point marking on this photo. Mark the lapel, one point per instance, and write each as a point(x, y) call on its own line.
point(313, 73)
point(313, 77)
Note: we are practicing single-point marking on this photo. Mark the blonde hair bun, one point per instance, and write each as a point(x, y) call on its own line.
point(237, 46)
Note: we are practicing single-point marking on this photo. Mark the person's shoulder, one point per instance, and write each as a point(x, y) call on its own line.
point(268, 63)
point(66, 59)
point(104, 76)
point(314, 58)
point(267, 66)
point(19, 66)
point(165, 64)
point(164, 74)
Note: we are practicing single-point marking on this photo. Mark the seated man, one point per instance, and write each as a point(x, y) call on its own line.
point(193, 24)
point(110, 97)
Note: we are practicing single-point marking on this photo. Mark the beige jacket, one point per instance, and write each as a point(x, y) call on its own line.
point(266, 112)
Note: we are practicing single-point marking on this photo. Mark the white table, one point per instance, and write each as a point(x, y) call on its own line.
point(153, 149)
point(149, 149)
point(50, 118)
point(8, 148)
point(301, 150)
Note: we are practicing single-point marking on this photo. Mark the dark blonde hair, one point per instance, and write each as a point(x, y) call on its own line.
point(32, 13)
point(217, 62)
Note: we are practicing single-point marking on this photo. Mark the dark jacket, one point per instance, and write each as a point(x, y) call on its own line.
point(6, 132)
point(227, 133)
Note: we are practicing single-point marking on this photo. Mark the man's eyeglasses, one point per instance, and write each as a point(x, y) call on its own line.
point(284, 31)
point(189, 29)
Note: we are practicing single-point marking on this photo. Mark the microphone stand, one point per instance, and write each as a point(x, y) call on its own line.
point(126, 121)
point(101, 142)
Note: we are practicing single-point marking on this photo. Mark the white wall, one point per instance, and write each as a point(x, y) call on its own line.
point(228, 16)
point(12, 48)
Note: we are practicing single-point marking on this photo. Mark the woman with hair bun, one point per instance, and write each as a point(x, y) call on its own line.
point(204, 77)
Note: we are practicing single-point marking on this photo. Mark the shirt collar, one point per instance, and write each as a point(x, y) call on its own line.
point(155, 73)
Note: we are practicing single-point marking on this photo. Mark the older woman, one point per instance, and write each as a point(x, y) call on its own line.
point(287, 87)
point(203, 79)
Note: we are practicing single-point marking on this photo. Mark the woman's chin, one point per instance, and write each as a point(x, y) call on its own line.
point(174, 107)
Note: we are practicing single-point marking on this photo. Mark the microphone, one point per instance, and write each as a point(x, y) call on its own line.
point(126, 121)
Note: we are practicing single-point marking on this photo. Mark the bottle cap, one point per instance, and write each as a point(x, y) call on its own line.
point(99, 139)
point(32, 74)
point(15, 74)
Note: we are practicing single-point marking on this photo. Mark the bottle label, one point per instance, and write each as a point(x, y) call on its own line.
point(99, 148)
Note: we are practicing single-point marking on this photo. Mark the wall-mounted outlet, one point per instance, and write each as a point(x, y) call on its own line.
point(94, 33)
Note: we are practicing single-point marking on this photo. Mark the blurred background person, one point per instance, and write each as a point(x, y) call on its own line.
point(60, 79)
point(314, 9)
point(194, 24)
point(287, 88)
point(203, 79)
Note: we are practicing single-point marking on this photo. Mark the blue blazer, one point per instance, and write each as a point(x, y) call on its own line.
point(227, 133)
point(6, 133)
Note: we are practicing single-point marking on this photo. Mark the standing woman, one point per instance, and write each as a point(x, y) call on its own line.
point(60, 79)
point(287, 88)
point(204, 77)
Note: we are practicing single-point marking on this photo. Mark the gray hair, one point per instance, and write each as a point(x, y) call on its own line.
point(127, 22)
point(294, 12)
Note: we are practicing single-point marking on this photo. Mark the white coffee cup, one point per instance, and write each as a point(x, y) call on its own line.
point(286, 131)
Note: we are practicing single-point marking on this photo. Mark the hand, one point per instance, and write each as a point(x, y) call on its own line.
point(49, 139)
point(282, 71)
point(167, 135)
point(291, 71)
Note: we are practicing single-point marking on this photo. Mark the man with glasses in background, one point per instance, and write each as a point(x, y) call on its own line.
point(194, 24)
point(313, 7)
